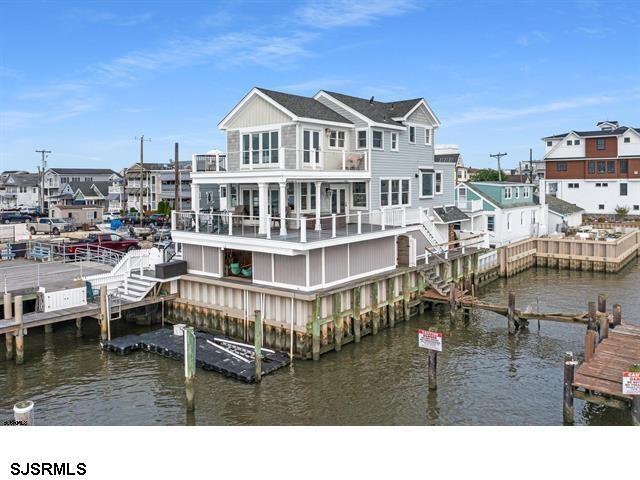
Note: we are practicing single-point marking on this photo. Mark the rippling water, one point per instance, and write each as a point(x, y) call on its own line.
point(485, 376)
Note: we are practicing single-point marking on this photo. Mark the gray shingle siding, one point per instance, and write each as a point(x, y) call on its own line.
point(233, 150)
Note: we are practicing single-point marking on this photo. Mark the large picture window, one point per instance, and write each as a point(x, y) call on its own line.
point(394, 192)
point(260, 147)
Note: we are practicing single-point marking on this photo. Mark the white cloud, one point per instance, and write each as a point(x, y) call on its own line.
point(531, 38)
point(492, 113)
point(345, 13)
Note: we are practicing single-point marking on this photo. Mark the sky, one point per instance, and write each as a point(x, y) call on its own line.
point(85, 78)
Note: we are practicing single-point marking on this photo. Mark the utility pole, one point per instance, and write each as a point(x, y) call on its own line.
point(531, 164)
point(499, 156)
point(45, 154)
point(177, 175)
point(141, 204)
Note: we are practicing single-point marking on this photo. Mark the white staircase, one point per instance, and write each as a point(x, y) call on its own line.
point(135, 287)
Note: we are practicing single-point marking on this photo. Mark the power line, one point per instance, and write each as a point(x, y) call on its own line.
point(499, 157)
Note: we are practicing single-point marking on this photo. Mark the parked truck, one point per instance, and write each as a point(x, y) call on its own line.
point(112, 241)
point(50, 226)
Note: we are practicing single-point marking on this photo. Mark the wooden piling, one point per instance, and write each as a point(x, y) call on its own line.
point(604, 327)
point(257, 343)
point(104, 318)
point(589, 345)
point(337, 321)
point(420, 292)
point(391, 308)
point(48, 328)
point(452, 302)
point(617, 315)
point(511, 309)
point(79, 327)
point(7, 316)
point(375, 312)
point(591, 308)
point(355, 305)
point(602, 303)
point(189, 366)
point(635, 401)
point(405, 297)
point(20, 333)
point(569, 371)
point(315, 329)
point(432, 365)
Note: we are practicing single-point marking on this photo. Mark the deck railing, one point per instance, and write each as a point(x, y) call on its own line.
point(286, 158)
point(295, 228)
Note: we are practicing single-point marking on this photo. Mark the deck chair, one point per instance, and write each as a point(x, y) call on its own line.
point(240, 212)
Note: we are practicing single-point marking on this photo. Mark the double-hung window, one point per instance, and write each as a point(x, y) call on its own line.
point(394, 141)
point(260, 147)
point(362, 139)
point(336, 138)
point(623, 189)
point(624, 166)
point(611, 166)
point(600, 143)
point(359, 194)
point(438, 183)
point(412, 134)
point(394, 192)
point(561, 166)
point(526, 192)
point(427, 136)
point(601, 166)
point(376, 140)
point(591, 166)
point(507, 193)
point(517, 190)
point(491, 224)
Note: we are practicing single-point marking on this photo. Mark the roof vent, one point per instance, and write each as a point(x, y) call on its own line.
point(371, 101)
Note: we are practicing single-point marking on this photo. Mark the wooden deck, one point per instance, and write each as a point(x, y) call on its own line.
point(613, 355)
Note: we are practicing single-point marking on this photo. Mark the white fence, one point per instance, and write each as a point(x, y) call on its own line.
point(487, 261)
point(73, 297)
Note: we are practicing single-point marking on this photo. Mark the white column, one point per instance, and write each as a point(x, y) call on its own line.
point(318, 204)
point(195, 197)
point(283, 208)
point(263, 199)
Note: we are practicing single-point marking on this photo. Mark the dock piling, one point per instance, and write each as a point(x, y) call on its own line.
point(315, 329)
point(635, 401)
point(432, 365)
point(8, 315)
point(602, 303)
point(569, 370)
point(79, 327)
point(257, 337)
point(511, 309)
point(617, 315)
point(189, 366)
point(23, 413)
point(103, 313)
point(20, 333)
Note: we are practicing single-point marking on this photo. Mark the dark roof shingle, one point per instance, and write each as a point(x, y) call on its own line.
point(380, 112)
point(562, 207)
point(304, 106)
point(450, 214)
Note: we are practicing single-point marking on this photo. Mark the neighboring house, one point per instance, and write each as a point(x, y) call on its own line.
point(507, 211)
point(116, 197)
point(78, 215)
point(530, 171)
point(55, 180)
point(451, 154)
point(19, 190)
point(319, 189)
point(211, 197)
point(158, 185)
point(563, 215)
point(597, 170)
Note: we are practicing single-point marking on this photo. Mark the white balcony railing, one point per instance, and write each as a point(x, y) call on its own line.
point(470, 205)
point(295, 229)
point(286, 158)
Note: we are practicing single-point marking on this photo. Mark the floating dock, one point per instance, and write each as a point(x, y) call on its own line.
point(235, 361)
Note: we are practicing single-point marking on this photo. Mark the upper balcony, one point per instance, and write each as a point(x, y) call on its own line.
point(284, 159)
point(470, 205)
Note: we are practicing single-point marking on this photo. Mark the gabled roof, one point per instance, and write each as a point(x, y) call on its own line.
point(305, 107)
point(23, 179)
point(561, 207)
point(87, 188)
point(82, 171)
point(379, 112)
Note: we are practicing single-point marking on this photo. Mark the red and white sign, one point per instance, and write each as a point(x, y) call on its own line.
point(631, 383)
point(430, 340)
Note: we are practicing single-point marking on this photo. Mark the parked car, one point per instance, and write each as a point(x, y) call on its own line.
point(51, 226)
point(156, 219)
point(131, 217)
point(14, 217)
point(108, 216)
point(112, 241)
point(31, 211)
